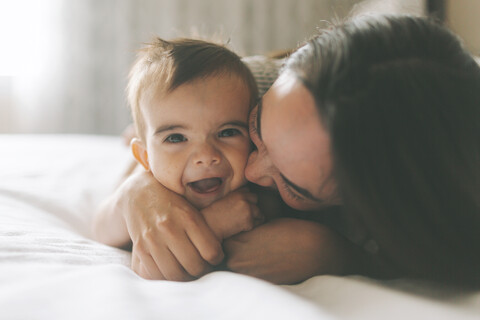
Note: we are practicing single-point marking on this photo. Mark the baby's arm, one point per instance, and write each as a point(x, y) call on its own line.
point(236, 212)
point(108, 226)
point(242, 210)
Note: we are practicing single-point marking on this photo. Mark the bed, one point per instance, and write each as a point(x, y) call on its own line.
point(50, 268)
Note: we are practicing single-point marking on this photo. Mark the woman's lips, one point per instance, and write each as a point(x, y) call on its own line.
point(206, 186)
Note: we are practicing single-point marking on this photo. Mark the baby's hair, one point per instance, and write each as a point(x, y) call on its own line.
point(162, 66)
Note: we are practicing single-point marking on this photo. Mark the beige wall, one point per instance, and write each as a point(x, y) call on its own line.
point(84, 49)
point(463, 16)
point(5, 103)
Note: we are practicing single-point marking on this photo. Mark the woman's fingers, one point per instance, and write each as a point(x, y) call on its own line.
point(167, 252)
point(142, 271)
point(203, 239)
point(170, 268)
point(147, 267)
point(153, 259)
point(140, 268)
point(189, 257)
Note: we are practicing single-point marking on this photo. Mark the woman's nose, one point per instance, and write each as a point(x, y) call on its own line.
point(258, 169)
point(206, 155)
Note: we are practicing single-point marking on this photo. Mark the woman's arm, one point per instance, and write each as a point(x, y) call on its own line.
point(287, 251)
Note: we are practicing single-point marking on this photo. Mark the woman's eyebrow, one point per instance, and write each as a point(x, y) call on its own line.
point(300, 190)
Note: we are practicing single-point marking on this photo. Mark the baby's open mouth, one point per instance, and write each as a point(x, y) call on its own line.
point(206, 185)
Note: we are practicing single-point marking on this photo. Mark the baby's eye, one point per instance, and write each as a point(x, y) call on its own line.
point(229, 133)
point(175, 138)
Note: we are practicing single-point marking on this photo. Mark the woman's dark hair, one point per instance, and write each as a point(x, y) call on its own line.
point(400, 98)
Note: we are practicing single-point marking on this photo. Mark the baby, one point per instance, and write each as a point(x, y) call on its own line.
point(190, 102)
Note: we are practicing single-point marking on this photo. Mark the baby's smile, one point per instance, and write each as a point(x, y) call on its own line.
point(202, 192)
point(205, 186)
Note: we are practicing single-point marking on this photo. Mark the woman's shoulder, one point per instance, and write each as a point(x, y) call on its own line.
point(264, 69)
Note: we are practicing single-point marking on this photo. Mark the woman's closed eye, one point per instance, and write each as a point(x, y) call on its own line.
point(230, 132)
point(175, 138)
point(291, 193)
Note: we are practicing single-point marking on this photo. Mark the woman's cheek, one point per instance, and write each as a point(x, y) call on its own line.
point(260, 170)
point(250, 166)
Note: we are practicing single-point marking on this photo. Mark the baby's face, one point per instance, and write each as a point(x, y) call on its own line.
point(197, 138)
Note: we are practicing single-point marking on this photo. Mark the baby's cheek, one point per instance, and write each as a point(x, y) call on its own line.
point(170, 176)
point(239, 170)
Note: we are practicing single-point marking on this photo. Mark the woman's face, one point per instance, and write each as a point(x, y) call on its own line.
point(293, 148)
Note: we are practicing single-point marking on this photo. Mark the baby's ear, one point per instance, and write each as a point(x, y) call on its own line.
point(140, 152)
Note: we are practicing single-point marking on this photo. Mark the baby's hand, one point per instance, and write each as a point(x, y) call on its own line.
point(233, 214)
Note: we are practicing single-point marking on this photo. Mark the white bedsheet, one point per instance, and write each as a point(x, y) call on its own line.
point(50, 269)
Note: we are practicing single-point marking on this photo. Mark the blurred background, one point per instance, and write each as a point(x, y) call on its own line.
point(64, 63)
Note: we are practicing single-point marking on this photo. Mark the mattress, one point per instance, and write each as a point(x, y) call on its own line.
point(50, 268)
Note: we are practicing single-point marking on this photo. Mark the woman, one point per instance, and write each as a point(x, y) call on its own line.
point(378, 117)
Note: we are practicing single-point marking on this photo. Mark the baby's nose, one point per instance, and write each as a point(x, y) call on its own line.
point(207, 155)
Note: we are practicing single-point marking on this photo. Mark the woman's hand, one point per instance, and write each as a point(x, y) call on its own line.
point(170, 238)
point(287, 251)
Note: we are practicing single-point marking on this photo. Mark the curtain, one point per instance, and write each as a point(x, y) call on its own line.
point(66, 62)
